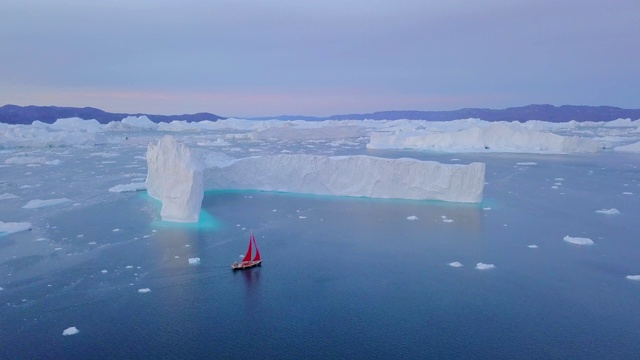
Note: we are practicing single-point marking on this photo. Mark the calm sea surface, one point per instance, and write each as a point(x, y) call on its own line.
point(342, 277)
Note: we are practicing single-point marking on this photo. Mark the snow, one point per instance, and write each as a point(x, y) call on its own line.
point(483, 266)
point(7, 196)
point(455, 264)
point(70, 331)
point(578, 240)
point(33, 204)
point(612, 211)
point(633, 277)
point(496, 137)
point(143, 291)
point(129, 187)
point(357, 175)
point(13, 227)
point(194, 261)
point(175, 178)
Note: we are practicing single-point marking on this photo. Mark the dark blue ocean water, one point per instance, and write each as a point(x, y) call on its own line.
point(342, 277)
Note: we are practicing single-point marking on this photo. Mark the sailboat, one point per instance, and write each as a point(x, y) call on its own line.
point(246, 261)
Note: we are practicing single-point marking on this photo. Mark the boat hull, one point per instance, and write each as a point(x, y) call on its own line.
point(245, 265)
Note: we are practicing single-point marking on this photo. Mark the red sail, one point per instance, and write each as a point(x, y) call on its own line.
point(247, 257)
point(257, 258)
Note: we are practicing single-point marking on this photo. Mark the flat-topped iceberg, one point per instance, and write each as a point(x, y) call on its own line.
point(361, 176)
point(174, 177)
point(490, 138)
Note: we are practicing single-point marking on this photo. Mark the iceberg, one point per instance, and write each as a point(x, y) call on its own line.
point(174, 177)
point(498, 137)
point(358, 175)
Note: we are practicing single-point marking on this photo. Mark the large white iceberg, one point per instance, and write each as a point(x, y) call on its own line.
point(362, 176)
point(497, 137)
point(174, 176)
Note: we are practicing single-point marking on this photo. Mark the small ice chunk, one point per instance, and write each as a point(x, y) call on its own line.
point(145, 290)
point(116, 230)
point(612, 211)
point(7, 196)
point(559, 179)
point(486, 208)
point(104, 271)
point(532, 246)
point(483, 266)
point(528, 163)
point(412, 217)
point(194, 261)
point(554, 187)
point(1, 289)
point(455, 264)
point(627, 193)
point(447, 220)
point(302, 217)
point(70, 331)
point(578, 240)
point(13, 227)
point(630, 277)
point(41, 203)
point(129, 267)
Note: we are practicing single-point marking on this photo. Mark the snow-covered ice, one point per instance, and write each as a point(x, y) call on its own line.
point(33, 204)
point(70, 331)
point(483, 266)
point(612, 211)
point(578, 240)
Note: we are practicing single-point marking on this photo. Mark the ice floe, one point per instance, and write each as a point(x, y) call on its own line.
point(612, 211)
point(455, 264)
point(7, 196)
point(70, 331)
point(578, 240)
point(33, 204)
point(483, 266)
point(145, 290)
point(13, 227)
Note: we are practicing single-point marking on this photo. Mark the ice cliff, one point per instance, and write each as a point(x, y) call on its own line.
point(491, 138)
point(362, 176)
point(174, 176)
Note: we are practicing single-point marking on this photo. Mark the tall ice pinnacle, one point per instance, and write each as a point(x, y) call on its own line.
point(174, 176)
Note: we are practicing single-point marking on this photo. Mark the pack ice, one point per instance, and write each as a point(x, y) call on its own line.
point(175, 177)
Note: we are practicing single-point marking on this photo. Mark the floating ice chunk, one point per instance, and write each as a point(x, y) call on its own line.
point(559, 179)
point(145, 290)
point(70, 331)
point(527, 163)
point(13, 227)
point(447, 220)
point(483, 266)
point(578, 240)
point(1, 289)
point(41, 203)
point(627, 193)
point(486, 208)
point(139, 186)
point(302, 217)
point(554, 187)
point(7, 196)
point(612, 211)
point(412, 217)
point(104, 271)
point(194, 261)
point(633, 277)
point(129, 267)
point(532, 246)
point(455, 264)
point(116, 230)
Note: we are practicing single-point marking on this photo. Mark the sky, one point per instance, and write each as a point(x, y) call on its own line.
point(246, 58)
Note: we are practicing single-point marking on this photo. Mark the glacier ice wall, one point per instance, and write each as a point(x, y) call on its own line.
point(174, 176)
point(491, 138)
point(362, 176)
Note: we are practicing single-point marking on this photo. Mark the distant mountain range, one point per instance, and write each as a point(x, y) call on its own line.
point(13, 114)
